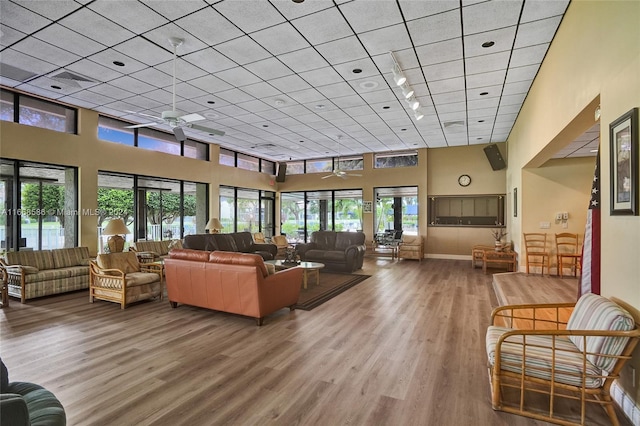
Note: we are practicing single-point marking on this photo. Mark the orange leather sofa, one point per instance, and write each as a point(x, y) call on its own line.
point(238, 283)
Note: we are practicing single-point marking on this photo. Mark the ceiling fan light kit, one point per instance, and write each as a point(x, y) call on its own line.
point(175, 119)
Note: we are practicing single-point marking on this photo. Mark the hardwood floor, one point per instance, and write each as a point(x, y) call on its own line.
point(405, 347)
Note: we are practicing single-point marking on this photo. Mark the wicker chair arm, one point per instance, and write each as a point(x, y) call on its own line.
point(151, 267)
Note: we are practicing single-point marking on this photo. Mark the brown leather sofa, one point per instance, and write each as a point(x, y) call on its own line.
point(238, 283)
point(241, 242)
point(341, 251)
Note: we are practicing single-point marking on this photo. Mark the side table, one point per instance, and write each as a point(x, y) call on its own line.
point(506, 257)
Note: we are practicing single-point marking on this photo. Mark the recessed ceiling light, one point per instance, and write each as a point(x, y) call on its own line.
point(265, 125)
point(118, 63)
point(484, 93)
point(56, 87)
point(297, 1)
point(320, 106)
point(211, 115)
point(301, 141)
point(211, 102)
point(368, 84)
point(279, 102)
point(487, 44)
point(480, 121)
point(403, 130)
point(386, 107)
point(357, 70)
point(479, 139)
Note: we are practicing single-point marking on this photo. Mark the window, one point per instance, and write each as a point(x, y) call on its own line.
point(248, 162)
point(227, 209)
point(113, 130)
point(155, 140)
point(396, 208)
point(295, 167)
point(351, 163)
point(478, 211)
point(397, 159)
point(268, 167)
point(38, 113)
point(227, 157)
point(197, 150)
point(318, 165)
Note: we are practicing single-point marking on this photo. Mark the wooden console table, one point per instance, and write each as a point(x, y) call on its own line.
point(488, 254)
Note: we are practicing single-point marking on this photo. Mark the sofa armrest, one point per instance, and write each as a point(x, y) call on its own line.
point(280, 289)
point(13, 409)
point(301, 249)
point(270, 248)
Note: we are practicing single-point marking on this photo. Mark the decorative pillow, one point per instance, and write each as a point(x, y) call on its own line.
point(271, 269)
point(26, 269)
point(175, 244)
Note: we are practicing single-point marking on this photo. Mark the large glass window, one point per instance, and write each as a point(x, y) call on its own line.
point(41, 208)
point(396, 159)
point(348, 210)
point(268, 167)
point(319, 165)
point(227, 157)
point(267, 212)
point(292, 211)
point(351, 163)
point(113, 130)
point(156, 140)
point(115, 201)
point(227, 209)
point(39, 113)
point(248, 210)
point(319, 211)
point(248, 162)
point(295, 167)
point(197, 150)
point(6, 105)
point(396, 209)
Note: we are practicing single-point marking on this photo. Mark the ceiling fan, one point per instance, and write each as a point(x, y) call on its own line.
point(175, 119)
point(337, 172)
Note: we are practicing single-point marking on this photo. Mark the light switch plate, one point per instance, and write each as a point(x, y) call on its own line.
point(545, 225)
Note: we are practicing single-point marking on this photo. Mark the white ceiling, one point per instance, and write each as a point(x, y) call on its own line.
point(277, 76)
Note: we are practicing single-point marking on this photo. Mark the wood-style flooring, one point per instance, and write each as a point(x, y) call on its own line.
point(404, 347)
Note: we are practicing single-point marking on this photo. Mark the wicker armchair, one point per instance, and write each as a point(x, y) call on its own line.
point(542, 356)
point(120, 278)
point(411, 247)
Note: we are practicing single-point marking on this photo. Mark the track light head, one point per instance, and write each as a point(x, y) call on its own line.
point(418, 114)
point(413, 103)
point(398, 77)
point(407, 91)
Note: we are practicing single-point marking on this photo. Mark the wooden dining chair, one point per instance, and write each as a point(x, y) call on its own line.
point(568, 253)
point(536, 252)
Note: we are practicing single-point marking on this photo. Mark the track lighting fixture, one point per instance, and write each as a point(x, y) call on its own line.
point(407, 91)
point(413, 103)
point(398, 76)
point(418, 114)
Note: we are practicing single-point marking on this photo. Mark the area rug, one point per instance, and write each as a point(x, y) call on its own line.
point(331, 284)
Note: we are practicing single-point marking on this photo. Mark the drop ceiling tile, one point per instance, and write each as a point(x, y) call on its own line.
point(537, 32)
point(250, 15)
point(452, 107)
point(260, 90)
point(254, 106)
point(332, 115)
point(21, 18)
point(483, 103)
point(162, 35)
point(123, 106)
point(486, 79)
point(368, 70)
point(513, 99)
point(162, 97)
point(273, 114)
point(186, 90)
point(379, 96)
point(111, 91)
point(321, 76)
point(367, 16)
point(237, 77)
point(209, 27)
point(242, 50)
point(44, 91)
point(72, 100)
point(142, 102)
point(436, 53)
point(69, 40)
point(93, 97)
point(189, 107)
point(307, 95)
point(107, 57)
point(280, 39)
point(450, 97)
point(489, 16)
point(525, 73)
point(516, 88)
point(528, 55)
point(324, 26)
point(185, 71)
point(336, 90)
point(360, 111)
point(435, 28)
point(46, 51)
point(153, 77)
point(482, 113)
point(174, 10)
point(502, 38)
point(209, 60)
point(144, 51)
point(303, 60)
point(290, 83)
point(445, 86)
point(369, 84)
point(342, 50)
point(444, 70)
point(508, 109)
point(210, 84)
point(384, 40)
point(128, 14)
point(534, 11)
point(8, 36)
point(235, 96)
point(486, 63)
point(29, 63)
point(268, 69)
point(132, 84)
point(232, 111)
point(96, 27)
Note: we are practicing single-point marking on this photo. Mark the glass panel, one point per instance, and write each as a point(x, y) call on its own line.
point(227, 157)
point(318, 165)
point(115, 201)
point(6, 203)
point(319, 211)
point(348, 210)
point(6, 105)
point(268, 167)
point(248, 162)
point(267, 211)
point(351, 163)
point(398, 159)
point(43, 207)
point(248, 212)
point(227, 209)
point(113, 130)
point(155, 140)
point(292, 215)
point(161, 209)
point(194, 149)
point(39, 113)
point(396, 209)
point(295, 167)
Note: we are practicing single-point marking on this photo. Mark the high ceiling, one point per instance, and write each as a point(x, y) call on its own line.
point(287, 80)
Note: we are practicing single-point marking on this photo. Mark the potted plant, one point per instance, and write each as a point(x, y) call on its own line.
point(498, 235)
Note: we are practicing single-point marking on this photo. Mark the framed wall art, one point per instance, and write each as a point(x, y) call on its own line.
point(623, 141)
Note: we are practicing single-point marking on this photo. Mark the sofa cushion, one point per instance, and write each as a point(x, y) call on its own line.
point(65, 257)
point(188, 254)
point(594, 312)
point(41, 259)
point(325, 255)
point(325, 240)
point(540, 357)
point(248, 259)
point(346, 239)
point(48, 275)
point(224, 242)
point(243, 242)
point(141, 278)
point(126, 262)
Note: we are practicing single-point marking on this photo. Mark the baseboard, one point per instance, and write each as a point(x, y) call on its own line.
point(448, 256)
point(626, 403)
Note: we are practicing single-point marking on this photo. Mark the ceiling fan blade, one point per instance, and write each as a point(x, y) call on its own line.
point(206, 129)
point(144, 115)
point(191, 117)
point(137, 126)
point(180, 136)
point(327, 176)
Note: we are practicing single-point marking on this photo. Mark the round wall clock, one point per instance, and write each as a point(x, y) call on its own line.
point(464, 180)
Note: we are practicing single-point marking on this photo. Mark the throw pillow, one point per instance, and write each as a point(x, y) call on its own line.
point(4, 378)
point(271, 269)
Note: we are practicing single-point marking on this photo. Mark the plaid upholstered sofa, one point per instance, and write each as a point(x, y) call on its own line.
point(40, 273)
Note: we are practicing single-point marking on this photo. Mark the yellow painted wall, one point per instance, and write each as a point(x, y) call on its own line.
point(594, 58)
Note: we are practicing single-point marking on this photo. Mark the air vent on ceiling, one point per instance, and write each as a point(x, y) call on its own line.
point(15, 73)
point(458, 123)
point(72, 79)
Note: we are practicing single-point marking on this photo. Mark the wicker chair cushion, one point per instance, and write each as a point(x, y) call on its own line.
point(539, 358)
point(594, 312)
point(126, 262)
point(141, 278)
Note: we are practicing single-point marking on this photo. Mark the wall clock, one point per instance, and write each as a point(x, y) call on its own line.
point(464, 180)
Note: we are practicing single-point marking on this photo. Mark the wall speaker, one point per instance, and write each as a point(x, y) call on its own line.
point(282, 172)
point(494, 156)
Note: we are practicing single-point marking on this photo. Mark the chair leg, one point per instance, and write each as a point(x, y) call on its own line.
point(495, 390)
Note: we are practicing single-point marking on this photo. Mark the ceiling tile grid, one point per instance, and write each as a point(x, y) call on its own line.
point(284, 79)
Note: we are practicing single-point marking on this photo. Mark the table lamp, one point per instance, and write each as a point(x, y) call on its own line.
point(213, 226)
point(115, 228)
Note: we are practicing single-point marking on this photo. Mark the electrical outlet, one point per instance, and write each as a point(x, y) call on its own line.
point(558, 216)
point(565, 216)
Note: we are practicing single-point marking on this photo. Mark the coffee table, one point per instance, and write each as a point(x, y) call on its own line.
point(308, 268)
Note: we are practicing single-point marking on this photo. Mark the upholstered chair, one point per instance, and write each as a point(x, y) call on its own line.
point(411, 247)
point(281, 242)
point(258, 238)
point(121, 278)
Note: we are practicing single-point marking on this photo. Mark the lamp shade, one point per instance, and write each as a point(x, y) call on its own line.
point(115, 227)
point(213, 225)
